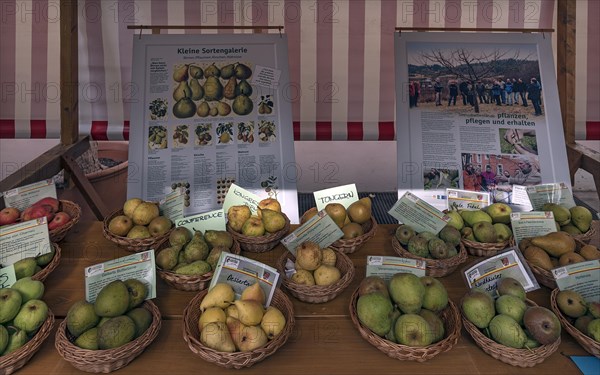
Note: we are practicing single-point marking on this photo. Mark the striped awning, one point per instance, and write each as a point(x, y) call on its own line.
point(341, 57)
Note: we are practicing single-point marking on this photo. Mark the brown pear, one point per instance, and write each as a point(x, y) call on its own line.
point(254, 292)
point(589, 252)
point(537, 256)
point(555, 243)
point(229, 89)
point(337, 212)
point(359, 212)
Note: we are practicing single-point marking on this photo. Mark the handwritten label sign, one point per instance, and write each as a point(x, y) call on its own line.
point(532, 224)
point(466, 199)
point(241, 272)
point(386, 267)
point(583, 277)
point(24, 196)
point(418, 214)
point(172, 205)
point(140, 266)
point(23, 240)
point(521, 198)
point(266, 76)
point(213, 220)
point(7, 276)
point(320, 229)
point(237, 196)
point(558, 193)
point(485, 274)
point(344, 195)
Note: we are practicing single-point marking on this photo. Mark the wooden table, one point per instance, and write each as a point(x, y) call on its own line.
point(324, 342)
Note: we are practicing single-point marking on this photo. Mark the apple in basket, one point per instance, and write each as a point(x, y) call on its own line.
point(230, 325)
point(59, 220)
point(9, 215)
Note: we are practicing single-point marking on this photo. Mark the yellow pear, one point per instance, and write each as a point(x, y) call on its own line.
point(210, 315)
point(589, 252)
point(337, 212)
point(327, 275)
point(329, 257)
point(221, 295)
point(130, 205)
point(272, 220)
point(216, 336)
point(555, 243)
point(538, 257)
point(249, 312)
point(303, 277)
point(366, 201)
point(237, 215)
point(246, 338)
point(359, 212)
point(308, 214)
point(255, 293)
point(269, 203)
point(273, 322)
point(231, 311)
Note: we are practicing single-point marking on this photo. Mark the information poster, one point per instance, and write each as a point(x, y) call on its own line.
point(211, 112)
point(479, 112)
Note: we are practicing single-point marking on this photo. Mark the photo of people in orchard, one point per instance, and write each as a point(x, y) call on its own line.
point(518, 141)
point(497, 173)
point(440, 178)
point(475, 79)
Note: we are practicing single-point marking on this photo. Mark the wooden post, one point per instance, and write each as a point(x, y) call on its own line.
point(566, 26)
point(69, 78)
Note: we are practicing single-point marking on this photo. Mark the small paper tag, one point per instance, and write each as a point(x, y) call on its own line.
point(266, 76)
point(213, 220)
point(23, 240)
point(520, 197)
point(7, 276)
point(344, 195)
point(417, 213)
point(24, 196)
point(320, 229)
point(173, 204)
point(140, 266)
point(558, 193)
point(386, 267)
point(583, 277)
point(237, 196)
point(466, 199)
point(532, 224)
point(241, 272)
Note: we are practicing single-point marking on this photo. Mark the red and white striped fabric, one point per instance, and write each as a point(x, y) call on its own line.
point(341, 57)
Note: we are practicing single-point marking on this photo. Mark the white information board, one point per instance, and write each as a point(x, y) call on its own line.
point(469, 101)
point(211, 111)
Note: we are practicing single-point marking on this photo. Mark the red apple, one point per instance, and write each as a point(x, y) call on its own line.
point(9, 215)
point(37, 211)
point(60, 219)
point(52, 202)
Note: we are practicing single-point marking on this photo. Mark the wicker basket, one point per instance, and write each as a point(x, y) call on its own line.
point(351, 245)
point(263, 243)
point(74, 211)
point(188, 282)
point(236, 360)
point(19, 358)
point(591, 233)
point(482, 249)
point(110, 359)
point(131, 244)
point(452, 326)
point(515, 357)
point(434, 267)
point(318, 293)
point(589, 344)
point(43, 274)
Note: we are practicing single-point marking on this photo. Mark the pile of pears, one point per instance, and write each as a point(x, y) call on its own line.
point(486, 225)
point(222, 90)
point(508, 319)
point(406, 310)
point(350, 220)
point(227, 324)
point(315, 266)
point(140, 220)
point(427, 244)
point(268, 219)
point(113, 320)
point(583, 315)
point(556, 249)
point(29, 266)
point(22, 313)
point(575, 220)
point(194, 255)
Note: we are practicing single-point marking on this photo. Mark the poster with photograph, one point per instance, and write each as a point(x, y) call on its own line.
point(209, 112)
point(479, 112)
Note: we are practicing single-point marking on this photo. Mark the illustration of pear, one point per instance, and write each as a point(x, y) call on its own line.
point(196, 72)
point(223, 109)
point(182, 90)
point(242, 105)
point(230, 88)
point(243, 88)
point(242, 71)
point(196, 90)
point(184, 108)
point(227, 71)
point(181, 74)
point(213, 90)
point(225, 137)
point(212, 71)
point(213, 111)
point(203, 109)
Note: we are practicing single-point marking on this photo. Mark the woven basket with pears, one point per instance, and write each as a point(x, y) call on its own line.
point(553, 250)
point(427, 331)
point(227, 351)
point(321, 274)
point(576, 326)
point(137, 227)
point(187, 265)
point(356, 221)
point(261, 232)
point(48, 263)
point(442, 253)
point(577, 220)
point(505, 338)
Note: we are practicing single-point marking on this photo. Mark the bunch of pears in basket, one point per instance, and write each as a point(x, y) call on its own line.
point(350, 220)
point(268, 218)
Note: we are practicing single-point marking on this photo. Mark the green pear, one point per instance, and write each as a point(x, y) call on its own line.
point(435, 323)
point(16, 340)
point(437, 248)
point(138, 291)
point(115, 332)
point(142, 318)
point(503, 232)
point(374, 310)
point(593, 329)
point(475, 216)
point(31, 316)
point(413, 330)
point(467, 233)
point(180, 236)
point(571, 303)
point(404, 233)
point(196, 72)
point(81, 317)
point(216, 238)
point(506, 331)
point(10, 304)
point(44, 259)
point(184, 108)
point(510, 286)
point(4, 336)
point(419, 246)
point(499, 212)
point(562, 215)
point(88, 339)
point(273, 221)
point(112, 300)
point(581, 217)
point(243, 88)
point(435, 297)
point(242, 71)
point(213, 89)
point(456, 219)
point(29, 288)
point(237, 216)
point(196, 249)
point(182, 91)
point(196, 90)
point(450, 234)
point(511, 306)
point(485, 232)
point(213, 257)
point(25, 267)
point(242, 105)
point(197, 268)
point(227, 71)
point(220, 295)
point(167, 258)
point(407, 292)
point(253, 227)
point(478, 307)
point(582, 322)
